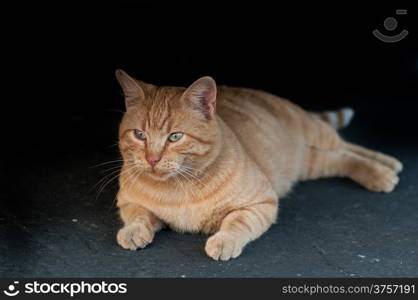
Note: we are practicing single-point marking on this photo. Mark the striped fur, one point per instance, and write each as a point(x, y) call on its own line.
point(337, 119)
point(226, 174)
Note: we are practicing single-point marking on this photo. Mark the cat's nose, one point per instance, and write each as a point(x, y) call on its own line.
point(153, 160)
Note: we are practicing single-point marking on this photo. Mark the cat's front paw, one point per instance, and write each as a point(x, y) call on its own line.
point(223, 246)
point(134, 236)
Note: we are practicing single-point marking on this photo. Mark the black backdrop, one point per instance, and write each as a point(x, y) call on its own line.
point(63, 56)
point(61, 106)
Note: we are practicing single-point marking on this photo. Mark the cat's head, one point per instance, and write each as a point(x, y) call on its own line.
point(168, 131)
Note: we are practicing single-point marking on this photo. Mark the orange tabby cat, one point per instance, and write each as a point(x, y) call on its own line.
point(217, 159)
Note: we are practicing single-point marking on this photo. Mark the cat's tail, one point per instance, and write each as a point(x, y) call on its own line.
point(338, 118)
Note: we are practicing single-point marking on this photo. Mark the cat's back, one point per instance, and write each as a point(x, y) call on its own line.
point(254, 113)
point(246, 104)
point(268, 128)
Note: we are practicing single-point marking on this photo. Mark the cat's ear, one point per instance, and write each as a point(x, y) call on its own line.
point(201, 96)
point(133, 93)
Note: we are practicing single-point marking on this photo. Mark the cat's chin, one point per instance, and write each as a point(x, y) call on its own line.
point(159, 176)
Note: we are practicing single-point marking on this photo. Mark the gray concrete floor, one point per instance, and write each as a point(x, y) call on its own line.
point(52, 225)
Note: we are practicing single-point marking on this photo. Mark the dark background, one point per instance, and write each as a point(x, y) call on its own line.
point(62, 106)
point(63, 57)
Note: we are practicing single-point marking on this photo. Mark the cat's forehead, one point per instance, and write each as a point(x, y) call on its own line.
point(158, 118)
point(160, 111)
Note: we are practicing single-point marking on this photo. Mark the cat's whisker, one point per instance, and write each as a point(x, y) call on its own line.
point(190, 173)
point(195, 188)
point(114, 144)
point(194, 177)
point(119, 166)
point(196, 172)
point(112, 179)
point(179, 183)
point(191, 168)
point(181, 172)
point(132, 177)
point(123, 184)
point(128, 170)
point(106, 184)
point(107, 162)
point(112, 169)
point(115, 198)
point(104, 178)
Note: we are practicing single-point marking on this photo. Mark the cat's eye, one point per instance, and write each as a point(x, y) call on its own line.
point(139, 134)
point(174, 137)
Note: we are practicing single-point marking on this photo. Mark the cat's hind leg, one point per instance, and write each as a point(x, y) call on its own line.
point(387, 160)
point(343, 162)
